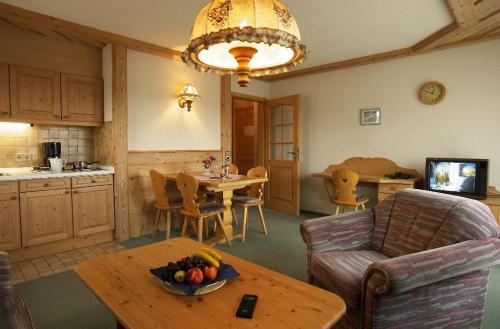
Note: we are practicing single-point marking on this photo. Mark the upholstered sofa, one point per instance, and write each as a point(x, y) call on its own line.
point(13, 311)
point(418, 260)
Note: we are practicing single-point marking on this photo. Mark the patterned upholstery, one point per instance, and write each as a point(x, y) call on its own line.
point(211, 207)
point(175, 202)
point(418, 260)
point(13, 311)
point(244, 199)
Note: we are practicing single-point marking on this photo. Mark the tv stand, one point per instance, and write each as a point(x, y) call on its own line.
point(493, 201)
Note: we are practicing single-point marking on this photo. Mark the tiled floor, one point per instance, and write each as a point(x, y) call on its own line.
point(52, 264)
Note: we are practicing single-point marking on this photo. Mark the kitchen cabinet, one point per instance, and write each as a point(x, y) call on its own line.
point(81, 98)
point(93, 209)
point(4, 91)
point(46, 216)
point(35, 94)
point(10, 221)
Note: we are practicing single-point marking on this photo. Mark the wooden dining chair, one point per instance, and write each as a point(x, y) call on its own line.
point(345, 181)
point(252, 199)
point(192, 209)
point(163, 204)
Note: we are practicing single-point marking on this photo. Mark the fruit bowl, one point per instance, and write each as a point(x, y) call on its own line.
point(200, 274)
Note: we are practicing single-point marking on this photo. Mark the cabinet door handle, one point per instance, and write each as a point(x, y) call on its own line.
point(67, 192)
point(46, 184)
point(93, 181)
point(65, 116)
point(57, 116)
point(14, 198)
point(75, 191)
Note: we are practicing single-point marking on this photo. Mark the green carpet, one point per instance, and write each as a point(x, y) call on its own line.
point(61, 301)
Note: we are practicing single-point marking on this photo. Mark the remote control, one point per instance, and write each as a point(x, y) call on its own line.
point(247, 306)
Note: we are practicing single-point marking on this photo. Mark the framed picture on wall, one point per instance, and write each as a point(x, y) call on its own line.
point(369, 116)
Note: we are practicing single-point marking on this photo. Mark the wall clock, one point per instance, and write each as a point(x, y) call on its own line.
point(431, 92)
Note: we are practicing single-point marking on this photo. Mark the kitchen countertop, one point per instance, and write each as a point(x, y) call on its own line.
point(27, 173)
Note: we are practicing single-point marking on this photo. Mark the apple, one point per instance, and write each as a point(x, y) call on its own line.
point(180, 276)
point(194, 276)
point(210, 273)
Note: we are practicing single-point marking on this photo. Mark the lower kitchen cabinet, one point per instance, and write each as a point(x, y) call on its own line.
point(10, 223)
point(93, 209)
point(46, 216)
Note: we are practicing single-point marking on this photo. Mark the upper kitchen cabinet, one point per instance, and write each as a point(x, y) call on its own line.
point(4, 91)
point(81, 98)
point(35, 94)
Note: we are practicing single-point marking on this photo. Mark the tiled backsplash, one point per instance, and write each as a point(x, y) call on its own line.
point(77, 143)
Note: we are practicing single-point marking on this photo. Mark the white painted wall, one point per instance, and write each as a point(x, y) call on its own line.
point(256, 88)
point(107, 75)
point(465, 124)
point(155, 121)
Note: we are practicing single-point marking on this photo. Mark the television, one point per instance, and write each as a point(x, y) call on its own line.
point(464, 177)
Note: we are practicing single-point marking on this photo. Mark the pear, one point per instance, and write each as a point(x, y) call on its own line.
point(180, 276)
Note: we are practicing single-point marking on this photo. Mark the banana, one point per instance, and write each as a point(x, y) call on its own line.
point(212, 253)
point(206, 258)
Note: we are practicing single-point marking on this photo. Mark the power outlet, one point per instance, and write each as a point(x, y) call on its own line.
point(23, 156)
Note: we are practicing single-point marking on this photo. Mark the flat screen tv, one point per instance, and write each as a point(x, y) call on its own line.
point(464, 177)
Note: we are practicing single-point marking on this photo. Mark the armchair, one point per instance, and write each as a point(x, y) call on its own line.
point(13, 311)
point(418, 260)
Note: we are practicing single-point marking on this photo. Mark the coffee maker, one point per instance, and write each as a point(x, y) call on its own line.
point(50, 150)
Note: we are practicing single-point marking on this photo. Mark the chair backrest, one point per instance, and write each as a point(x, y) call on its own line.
point(255, 190)
point(233, 169)
point(5, 280)
point(411, 221)
point(159, 183)
point(345, 181)
point(188, 186)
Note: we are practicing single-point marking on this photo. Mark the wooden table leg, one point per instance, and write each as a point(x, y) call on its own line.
point(228, 216)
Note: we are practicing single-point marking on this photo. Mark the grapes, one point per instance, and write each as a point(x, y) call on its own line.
point(184, 264)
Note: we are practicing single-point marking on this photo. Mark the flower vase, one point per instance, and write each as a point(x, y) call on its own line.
point(207, 172)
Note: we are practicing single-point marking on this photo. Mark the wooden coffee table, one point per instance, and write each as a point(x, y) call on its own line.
point(123, 283)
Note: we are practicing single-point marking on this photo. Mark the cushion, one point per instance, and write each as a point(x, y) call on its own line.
point(175, 201)
point(244, 199)
point(211, 207)
point(14, 314)
point(342, 272)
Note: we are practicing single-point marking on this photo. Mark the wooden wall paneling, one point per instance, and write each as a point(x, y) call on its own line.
point(226, 113)
point(4, 90)
point(19, 15)
point(120, 141)
point(34, 50)
point(141, 196)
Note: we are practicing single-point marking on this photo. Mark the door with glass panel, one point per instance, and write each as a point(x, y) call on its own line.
point(282, 154)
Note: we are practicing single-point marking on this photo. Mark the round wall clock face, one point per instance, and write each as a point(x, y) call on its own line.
point(431, 93)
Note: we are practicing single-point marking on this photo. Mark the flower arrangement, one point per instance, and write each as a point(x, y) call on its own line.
point(208, 162)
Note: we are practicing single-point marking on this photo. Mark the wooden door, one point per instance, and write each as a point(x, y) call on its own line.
point(35, 94)
point(10, 222)
point(245, 138)
point(93, 209)
point(81, 98)
point(4, 91)
point(282, 154)
point(46, 216)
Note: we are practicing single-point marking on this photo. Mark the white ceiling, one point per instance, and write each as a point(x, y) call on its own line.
point(333, 30)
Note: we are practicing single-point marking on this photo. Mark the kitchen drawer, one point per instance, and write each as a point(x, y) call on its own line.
point(392, 188)
point(92, 181)
point(9, 187)
point(45, 184)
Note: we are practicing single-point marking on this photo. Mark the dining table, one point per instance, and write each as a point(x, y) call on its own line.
point(226, 186)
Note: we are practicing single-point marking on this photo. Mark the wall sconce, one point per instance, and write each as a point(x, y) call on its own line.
point(187, 96)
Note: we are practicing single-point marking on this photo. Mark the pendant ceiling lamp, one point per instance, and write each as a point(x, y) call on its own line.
point(246, 37)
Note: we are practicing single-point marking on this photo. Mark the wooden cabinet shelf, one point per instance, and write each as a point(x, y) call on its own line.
point(46, 216)
point(35, 94)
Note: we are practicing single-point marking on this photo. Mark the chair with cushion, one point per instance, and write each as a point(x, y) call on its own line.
point(252, 199)
point(418, 260)
point(192, 209)
point(345, 181)
point(14, 313)
point(163, 203)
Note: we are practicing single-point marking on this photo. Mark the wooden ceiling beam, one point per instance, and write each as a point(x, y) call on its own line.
point(23, 16)
point(464, 12)
point(485, 8)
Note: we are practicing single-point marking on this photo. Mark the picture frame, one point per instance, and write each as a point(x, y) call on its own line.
point(369, 117)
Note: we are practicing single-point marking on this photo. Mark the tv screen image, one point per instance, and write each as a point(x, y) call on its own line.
point(453, 176)
point(465, 177)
